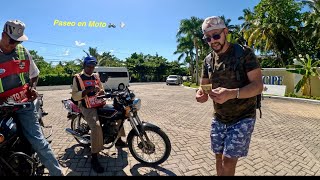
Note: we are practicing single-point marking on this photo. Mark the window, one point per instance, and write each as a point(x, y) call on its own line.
point(114, 74)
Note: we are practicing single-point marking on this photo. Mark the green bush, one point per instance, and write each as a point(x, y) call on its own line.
point(187, 84)
point(194, 85)
point(55, 79)
point(305, 97)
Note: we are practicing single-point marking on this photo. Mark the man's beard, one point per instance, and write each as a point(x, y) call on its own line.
point(217, 44)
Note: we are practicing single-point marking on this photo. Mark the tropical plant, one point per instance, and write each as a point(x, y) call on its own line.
point(191, 28)
point(185, 49)
point(307, 67)
point(312, 21)
point(272, 27)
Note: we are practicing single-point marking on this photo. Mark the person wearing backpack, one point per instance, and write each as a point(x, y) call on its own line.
point(236, 79)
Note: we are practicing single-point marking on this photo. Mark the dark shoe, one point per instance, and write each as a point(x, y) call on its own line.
point(44, 113)
point(120, 143)
point(96, 166)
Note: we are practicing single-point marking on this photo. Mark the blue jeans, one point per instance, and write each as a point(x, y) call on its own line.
point(232, 140)
point(32, 131)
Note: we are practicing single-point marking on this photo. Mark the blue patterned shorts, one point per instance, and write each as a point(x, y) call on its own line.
point(232, 140)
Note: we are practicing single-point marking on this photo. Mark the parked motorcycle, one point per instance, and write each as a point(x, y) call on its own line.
point(147, 143)
point(17, 158)
point(38, 103)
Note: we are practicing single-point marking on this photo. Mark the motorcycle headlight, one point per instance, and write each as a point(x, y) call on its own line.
point(136, 105)
point(67, 105)
point(133, 96)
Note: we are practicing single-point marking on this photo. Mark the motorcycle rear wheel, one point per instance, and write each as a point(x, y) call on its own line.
point(152, 151)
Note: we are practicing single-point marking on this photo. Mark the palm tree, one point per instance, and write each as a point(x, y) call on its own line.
point(312, 21)
point(248, 18)
point(185, 49)
point(271, 29)
point(192, 28)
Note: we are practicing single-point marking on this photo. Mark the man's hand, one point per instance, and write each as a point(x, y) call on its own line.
point(34, 94)
point(99, 91)
point(221, 95)
point(201, 97)
point(88, 90)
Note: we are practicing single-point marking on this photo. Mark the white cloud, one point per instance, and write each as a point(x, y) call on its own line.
point(122, 24)
point(111, 51)
point(66, 52)
point(79, 44)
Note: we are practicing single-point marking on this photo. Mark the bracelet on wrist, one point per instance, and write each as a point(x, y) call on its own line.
point(238, 93)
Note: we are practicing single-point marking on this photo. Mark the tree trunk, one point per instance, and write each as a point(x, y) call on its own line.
point(309, 84)
point(197, 61)
point(191, 69)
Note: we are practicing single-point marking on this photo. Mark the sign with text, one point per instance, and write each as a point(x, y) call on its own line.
point(278, 90)
point(272, 80)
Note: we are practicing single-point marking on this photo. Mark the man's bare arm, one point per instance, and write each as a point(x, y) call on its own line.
point(255, 87)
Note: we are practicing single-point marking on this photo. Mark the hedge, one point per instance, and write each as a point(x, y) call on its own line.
point(55, 79)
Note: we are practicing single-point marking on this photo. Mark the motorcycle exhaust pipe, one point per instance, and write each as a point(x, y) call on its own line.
point(77, 135)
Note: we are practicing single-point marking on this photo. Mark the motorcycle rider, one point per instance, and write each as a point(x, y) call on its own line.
point(16, 68)
point(86, 87)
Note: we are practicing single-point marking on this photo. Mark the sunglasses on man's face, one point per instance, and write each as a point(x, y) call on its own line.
point(12, 41)
point(215, 37)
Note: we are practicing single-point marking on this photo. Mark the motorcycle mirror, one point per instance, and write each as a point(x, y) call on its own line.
point(121, 87)
point(103, 77)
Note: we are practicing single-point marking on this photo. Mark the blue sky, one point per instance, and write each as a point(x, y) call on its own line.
point(150, 25)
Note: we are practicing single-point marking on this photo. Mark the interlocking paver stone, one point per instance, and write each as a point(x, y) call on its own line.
point(284, 142)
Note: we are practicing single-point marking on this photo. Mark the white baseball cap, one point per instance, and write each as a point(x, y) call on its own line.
point(211, 23)
point(15, 29)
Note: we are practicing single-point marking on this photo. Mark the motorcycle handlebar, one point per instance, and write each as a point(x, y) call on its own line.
point(107, 95)
point(111, 95)
point(15, 105)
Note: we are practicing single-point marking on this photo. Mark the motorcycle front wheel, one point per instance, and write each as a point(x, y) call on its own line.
point(154, 151)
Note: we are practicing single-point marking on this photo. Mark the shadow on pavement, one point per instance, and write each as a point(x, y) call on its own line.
point(77, 161)
point(145, 170)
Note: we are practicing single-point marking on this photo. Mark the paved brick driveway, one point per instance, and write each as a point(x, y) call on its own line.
point(285, 141)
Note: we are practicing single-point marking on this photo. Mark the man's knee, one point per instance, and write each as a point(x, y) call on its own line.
point(95, 126)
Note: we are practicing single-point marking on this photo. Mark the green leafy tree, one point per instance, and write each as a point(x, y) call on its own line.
point(312, 21)
point(177, 68)
point(272, 27)
point(106, 58)
point(310, 32)
point(136, 67)
point(43, 66)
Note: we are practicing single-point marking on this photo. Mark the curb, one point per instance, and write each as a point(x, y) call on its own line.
point(187, 87)
point(311, 101)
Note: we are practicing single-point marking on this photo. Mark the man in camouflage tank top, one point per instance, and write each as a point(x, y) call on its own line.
point(234, 91)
